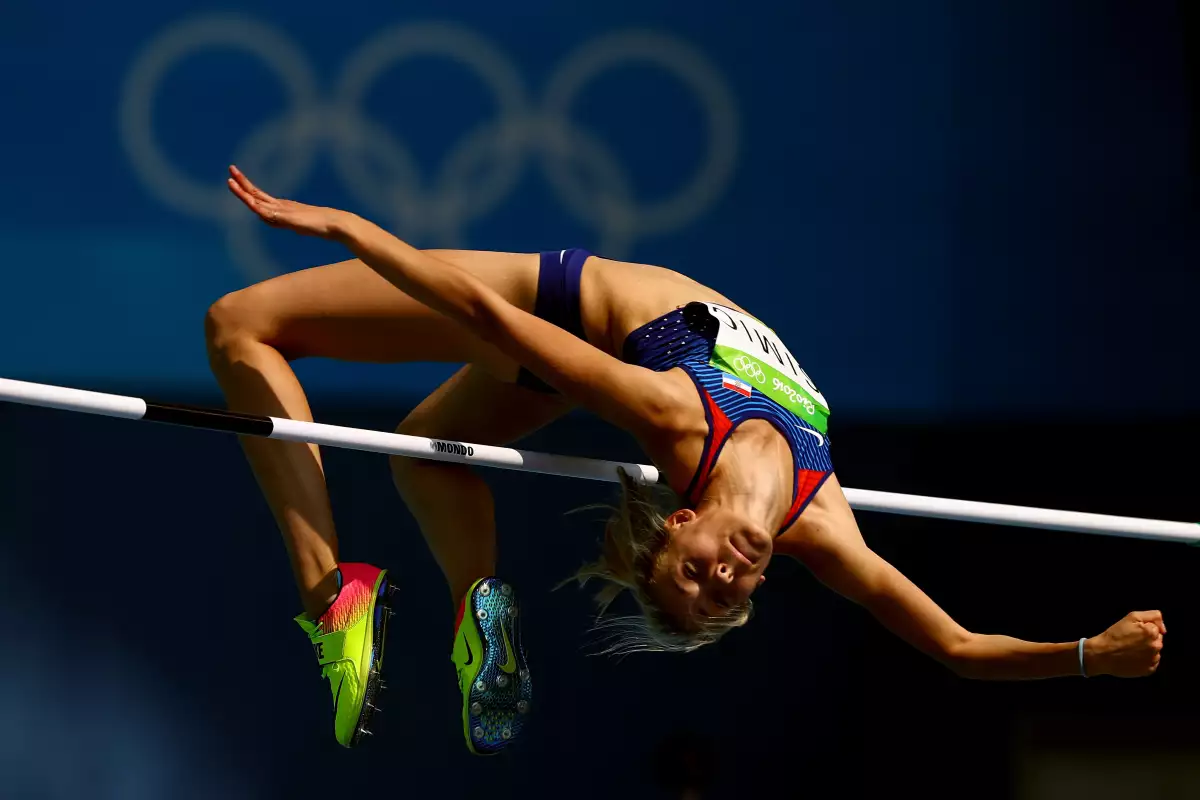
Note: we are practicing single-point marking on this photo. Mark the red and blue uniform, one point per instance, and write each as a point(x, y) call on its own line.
point(685, 338)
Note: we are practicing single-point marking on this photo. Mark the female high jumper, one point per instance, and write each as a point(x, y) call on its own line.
point(712, 395)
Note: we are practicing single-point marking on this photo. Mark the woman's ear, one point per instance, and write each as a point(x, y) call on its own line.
point(680, 517)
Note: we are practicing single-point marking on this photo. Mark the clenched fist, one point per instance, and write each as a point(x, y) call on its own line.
point(1130, 649)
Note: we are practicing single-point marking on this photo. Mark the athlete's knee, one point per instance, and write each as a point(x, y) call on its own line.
point(235, 321)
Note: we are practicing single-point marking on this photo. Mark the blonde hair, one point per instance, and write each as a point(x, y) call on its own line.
point(635, 540)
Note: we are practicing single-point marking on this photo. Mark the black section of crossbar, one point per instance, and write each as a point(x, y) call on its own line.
point(210, 419)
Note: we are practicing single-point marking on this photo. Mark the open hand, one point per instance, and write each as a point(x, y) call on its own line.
point(1129, 649)
point(278, 213)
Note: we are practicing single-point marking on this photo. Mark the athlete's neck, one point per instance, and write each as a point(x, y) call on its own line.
point(749, 481)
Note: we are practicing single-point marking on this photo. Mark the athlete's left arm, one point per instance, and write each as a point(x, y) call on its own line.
point(832, 547)
point(643, 402)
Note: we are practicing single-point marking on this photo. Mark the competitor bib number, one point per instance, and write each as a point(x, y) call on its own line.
point(751, 352)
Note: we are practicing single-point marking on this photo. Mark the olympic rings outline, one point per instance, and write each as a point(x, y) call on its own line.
point(750, 368)
point(283, 150)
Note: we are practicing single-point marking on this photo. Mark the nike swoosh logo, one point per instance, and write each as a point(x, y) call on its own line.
point(510, 661)
point(470, 655)
point(820, 438)
point(337, 698)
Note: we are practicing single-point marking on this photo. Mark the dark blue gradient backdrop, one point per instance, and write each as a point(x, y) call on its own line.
point(973, 223)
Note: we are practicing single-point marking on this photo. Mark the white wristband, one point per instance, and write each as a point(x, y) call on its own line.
point(1082, 671)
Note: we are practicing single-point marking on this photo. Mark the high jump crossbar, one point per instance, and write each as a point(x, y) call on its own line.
point(111, 405)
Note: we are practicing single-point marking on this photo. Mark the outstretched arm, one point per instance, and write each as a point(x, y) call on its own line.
point(833, 549)
point(634, 398)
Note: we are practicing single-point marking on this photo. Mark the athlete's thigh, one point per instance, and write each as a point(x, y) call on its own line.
point(475, 406)
point(348, 312)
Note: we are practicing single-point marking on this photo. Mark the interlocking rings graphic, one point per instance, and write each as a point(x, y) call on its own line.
point(750, 368)
point(380, 171)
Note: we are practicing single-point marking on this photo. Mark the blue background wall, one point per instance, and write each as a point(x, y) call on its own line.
point(958, 209)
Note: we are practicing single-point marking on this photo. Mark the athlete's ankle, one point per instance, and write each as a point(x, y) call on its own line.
point(460, 596)
point(459, 589)
point(318, 598)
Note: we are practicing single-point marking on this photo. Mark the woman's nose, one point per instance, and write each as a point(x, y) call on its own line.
point(725, 573)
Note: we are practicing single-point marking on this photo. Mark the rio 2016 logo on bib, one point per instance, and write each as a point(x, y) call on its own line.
point(753, 353)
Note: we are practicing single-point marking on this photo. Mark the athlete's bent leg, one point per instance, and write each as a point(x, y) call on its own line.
point(343, 311)
point(451, 503)
point(455, 510)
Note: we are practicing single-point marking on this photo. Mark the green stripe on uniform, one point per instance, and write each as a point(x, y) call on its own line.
point(773, 383)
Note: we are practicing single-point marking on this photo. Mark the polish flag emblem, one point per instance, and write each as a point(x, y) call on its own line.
point(733, 384)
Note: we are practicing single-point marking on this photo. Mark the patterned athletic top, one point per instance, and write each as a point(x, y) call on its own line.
point(742, 371)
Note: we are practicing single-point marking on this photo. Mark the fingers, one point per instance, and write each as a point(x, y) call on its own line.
point(1147, 616)
point(1154, 617)
point(240, 178)
point(264, 209)
point(1156, 646)
point(241, 193)
point(254, 198)
point(1154, 632)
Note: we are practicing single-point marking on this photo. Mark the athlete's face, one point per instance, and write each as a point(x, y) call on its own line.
point(712, 563)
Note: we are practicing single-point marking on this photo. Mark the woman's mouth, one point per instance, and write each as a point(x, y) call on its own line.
point(744, 558)
point(746, 551)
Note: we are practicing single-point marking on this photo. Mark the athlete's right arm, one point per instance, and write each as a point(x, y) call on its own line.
point(832, 547)
point(637, 399)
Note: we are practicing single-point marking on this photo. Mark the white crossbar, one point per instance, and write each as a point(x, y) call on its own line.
point(37, 394)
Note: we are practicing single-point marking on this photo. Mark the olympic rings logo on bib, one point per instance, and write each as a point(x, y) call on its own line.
point(747, 349)
point(750, 368)
point(754, 371)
